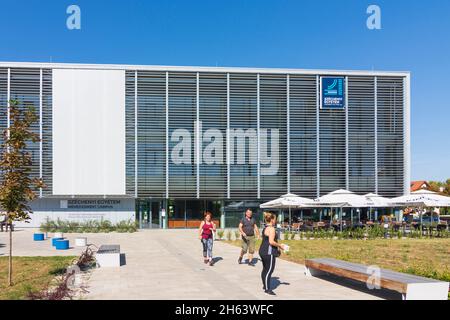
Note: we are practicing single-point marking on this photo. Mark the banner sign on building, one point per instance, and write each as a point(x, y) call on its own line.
point(332, 92)
point(90, 204)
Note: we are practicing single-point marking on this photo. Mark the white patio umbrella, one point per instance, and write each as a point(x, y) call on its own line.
point(378, 202)
point(343, 199)
point(287, 201)
point(422, 199)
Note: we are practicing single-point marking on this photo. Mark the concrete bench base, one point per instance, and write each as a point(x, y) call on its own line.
point(81, 242)
point(108, 256)
point(426, 291)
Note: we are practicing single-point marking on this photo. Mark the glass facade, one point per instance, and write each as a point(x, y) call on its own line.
point(32, 87)
point(225, 141)
point(360, 147)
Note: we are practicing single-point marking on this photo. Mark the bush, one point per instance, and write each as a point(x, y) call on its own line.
point(48, 225)
point(126, 226)
point(91, 226)
point(220, 233)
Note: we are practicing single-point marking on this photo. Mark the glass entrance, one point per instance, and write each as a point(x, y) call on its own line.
point(189, 213)
point(148, 213)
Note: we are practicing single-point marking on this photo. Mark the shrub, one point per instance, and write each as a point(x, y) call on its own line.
point(48, 225)
point(125, 226)
point(105, 226)
point(220, 233)
point(92, 226)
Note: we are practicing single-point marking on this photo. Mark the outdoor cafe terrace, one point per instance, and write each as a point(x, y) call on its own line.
point(344, 210)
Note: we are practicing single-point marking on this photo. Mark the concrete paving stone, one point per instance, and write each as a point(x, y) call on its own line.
point(168, 264)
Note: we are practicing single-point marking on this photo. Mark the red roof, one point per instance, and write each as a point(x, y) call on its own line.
point(419, 185)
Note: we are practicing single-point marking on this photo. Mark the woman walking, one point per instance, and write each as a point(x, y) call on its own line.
point(269, 250)
point(207, 227)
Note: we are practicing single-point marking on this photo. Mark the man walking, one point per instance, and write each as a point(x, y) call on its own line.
point(6, 223)
point(248, 230)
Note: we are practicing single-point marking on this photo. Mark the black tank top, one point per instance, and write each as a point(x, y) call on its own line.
point(266, 249)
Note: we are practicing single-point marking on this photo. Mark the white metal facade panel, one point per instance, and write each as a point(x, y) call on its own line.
point(88, 132)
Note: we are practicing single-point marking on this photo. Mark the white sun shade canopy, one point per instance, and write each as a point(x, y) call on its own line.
point(287, 201)
point(422, 198)
point(343, 198)
point(378, 201)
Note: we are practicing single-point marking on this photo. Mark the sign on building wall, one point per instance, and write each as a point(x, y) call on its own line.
point(90, 204)
point(332, 92)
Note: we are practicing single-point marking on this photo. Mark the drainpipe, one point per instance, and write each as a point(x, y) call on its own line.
point(165, 217)
point(222, 216)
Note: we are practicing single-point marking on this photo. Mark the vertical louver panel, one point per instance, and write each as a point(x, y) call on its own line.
point(390, 136)
point(303, 135)
point(361, 134)
point(130, 136)
point(151, 134)
point(3, 101)
point(25, 88)
point(3, 106)
point(332, 150)
point(273, 119)
point(182, 117)
point(213, 117)
point(47, 132)
point(243, 118)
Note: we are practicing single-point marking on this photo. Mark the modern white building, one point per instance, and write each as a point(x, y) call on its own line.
point(161, 144)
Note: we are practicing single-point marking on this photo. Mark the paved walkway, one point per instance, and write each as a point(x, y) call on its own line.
point(167, 264)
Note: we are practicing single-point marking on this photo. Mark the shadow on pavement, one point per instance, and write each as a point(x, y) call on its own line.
point(361, 286)
point(254, 261)
point(275, 283)
point(216, 259)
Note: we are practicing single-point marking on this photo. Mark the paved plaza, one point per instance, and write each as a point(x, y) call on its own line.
point(167, 264)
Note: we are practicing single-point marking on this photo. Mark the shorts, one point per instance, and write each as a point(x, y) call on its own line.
point(248, 244)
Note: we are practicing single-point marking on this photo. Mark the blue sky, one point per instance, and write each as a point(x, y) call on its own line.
point(293, 34)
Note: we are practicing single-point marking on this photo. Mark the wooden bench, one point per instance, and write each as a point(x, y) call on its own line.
point(108, 256)
point(411, 287)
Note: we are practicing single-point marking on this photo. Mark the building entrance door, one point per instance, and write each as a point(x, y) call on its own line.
point(148, 213)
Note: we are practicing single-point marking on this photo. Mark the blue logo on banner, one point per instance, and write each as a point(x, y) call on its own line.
point(333, 96)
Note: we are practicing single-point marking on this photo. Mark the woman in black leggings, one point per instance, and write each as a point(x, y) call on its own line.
point(269, 250)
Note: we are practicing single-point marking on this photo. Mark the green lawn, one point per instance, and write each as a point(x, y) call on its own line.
point(29, 274)
point(424, 257)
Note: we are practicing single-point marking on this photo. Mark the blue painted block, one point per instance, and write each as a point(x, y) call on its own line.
point(62, 244)
point(54, 241)
point(38, 237)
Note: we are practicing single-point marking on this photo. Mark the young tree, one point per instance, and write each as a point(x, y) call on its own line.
point(16, 189)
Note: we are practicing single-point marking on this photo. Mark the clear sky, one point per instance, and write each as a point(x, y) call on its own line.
point(415, 36)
